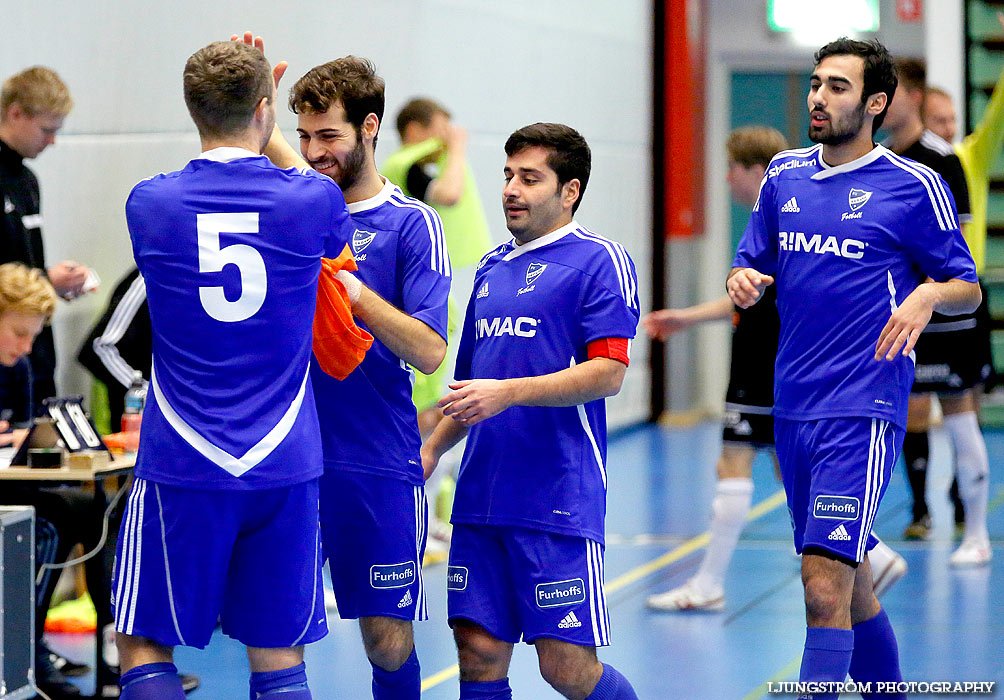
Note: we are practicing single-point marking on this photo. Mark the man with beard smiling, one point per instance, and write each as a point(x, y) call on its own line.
point(373, 505)
point(864, 245)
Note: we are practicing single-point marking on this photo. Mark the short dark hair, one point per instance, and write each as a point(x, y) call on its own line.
point(912, 73)
point(568, 153)
point(350, 80)
point(879, 70)
point(421, 110)
point(224, 82)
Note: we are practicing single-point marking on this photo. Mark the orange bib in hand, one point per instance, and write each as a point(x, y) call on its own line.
point(339, 344)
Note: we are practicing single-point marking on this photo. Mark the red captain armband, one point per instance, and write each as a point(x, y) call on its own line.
point(614, 348)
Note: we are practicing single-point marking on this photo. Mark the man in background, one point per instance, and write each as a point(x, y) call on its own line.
point(33, 106)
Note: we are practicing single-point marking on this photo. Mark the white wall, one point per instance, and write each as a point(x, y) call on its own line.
point(740, 41)
point(497, 66)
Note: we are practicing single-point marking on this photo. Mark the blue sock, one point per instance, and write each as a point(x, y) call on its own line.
point(284, 684)
point(403, 684)
point(612, 686)
point(488, 690)
point(827, 657)
point(151, 682)
point(876, 655)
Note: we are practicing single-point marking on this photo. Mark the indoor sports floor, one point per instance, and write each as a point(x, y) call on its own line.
point(949, 623)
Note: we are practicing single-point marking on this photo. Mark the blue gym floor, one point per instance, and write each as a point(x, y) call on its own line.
point(950, 623)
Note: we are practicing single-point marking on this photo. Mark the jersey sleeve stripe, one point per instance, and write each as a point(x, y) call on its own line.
point(939, 190)
point(941, 210)
point(439, 257)
point(618, 255)
point(105, 345)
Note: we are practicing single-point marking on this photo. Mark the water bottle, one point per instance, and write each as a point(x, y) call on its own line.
point(132, 412)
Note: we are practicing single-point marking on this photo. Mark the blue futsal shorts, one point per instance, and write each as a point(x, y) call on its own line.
point(251, 559)
point(835, 471)
point(522, 583)
point(373, 530)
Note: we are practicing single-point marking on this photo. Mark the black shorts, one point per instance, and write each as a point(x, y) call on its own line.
point(752, 425)
point(953, 353)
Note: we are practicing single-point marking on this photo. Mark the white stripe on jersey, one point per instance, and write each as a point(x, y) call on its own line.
point(939, 200)
point(421, 522)
point(440, 258)
point(875, 477)
point(584, 420)
point(491, 254)
point(619, 257)
point(237, 466)
point(591, 575)
point(105, 346)
point(795, 152)
point(123, 590)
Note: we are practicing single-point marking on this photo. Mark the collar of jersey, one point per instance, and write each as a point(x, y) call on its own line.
point(225, 154)
point(542, 241)
point(376, 200)
point(831, 170)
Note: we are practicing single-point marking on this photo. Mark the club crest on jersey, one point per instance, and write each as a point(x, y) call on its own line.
point(533, 271)
point(856, 199)
point(552, 595)
point(836, 507)
point(361, 239)
point(393, 575)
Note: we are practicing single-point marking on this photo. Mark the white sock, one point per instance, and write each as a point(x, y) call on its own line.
point(879, 557)
point(733, 499)
point(973, 470)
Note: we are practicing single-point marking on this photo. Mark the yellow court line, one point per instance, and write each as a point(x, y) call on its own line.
point(759, 510)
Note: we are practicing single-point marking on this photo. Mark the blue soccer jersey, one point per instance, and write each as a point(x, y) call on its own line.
point(368, 420)
point(534, 309)
point(230, 250)
point(847, 245)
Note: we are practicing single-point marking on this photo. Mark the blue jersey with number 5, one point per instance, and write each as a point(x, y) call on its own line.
point(230, 249)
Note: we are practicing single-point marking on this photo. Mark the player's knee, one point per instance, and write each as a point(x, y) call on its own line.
point(481, 656)
point(137, 651)
point(824, 597)
point(389, 652)
point(568, 673)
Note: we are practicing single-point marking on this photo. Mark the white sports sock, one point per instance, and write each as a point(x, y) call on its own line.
point(733, 499)
point(973, 470)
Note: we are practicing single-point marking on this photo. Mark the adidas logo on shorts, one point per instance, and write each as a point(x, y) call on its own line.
point(790, 207)
point(406, 601)
point(840, 534)
point(569, 621)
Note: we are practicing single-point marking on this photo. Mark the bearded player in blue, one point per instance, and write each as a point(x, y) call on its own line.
point(862, 245)
point(545, 340)
point(222, 521)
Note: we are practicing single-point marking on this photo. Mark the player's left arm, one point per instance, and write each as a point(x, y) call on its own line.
point(475, 400)
point(908, 321)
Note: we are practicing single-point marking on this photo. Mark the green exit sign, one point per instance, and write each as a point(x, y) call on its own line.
point(836, 16)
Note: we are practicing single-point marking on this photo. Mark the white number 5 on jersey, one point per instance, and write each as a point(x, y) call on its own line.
point(212, 258)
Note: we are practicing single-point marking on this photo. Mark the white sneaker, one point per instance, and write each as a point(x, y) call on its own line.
point(883, 580)
point(972, 552)
point(687, 597)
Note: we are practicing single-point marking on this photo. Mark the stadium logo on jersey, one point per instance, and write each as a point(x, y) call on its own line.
point(552, 595)
point(781, 167)
point(569, 621)
point(456, 578)
point(840, 534)
point(523, 326)
point(836, 507)
point(483, 292)
point(393, 575)
point(790, 207)
point(796, 241)
point(361, 239)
